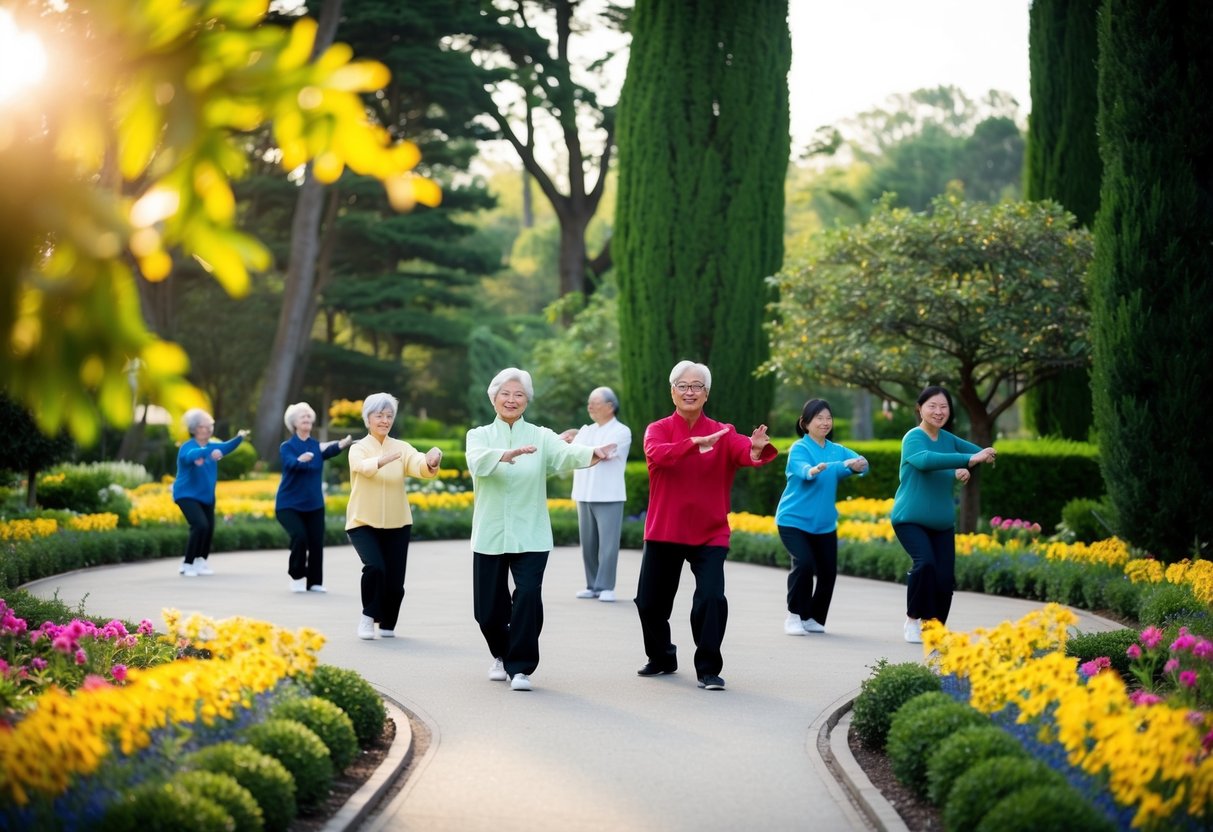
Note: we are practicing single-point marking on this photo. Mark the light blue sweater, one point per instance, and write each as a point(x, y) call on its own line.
point(808, 502)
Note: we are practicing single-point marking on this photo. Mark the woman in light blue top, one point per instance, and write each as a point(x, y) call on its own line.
point(510, 461)
point(924, 510)
point(194, 487)
point(807, 518)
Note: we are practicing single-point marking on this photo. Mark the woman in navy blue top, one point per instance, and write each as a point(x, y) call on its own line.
point(808, 520)
point(300, 504)
point(194, 487)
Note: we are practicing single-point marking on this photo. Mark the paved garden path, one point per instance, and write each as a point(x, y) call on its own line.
point(593, 747)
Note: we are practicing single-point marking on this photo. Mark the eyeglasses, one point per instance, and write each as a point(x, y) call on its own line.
point(693, 387)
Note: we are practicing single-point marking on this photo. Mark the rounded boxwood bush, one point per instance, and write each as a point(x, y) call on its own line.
point(354, 695)
point(164, 807)
point(302, 753)
point(1111, 645)
point(1164, 603)
point(961, 751)
point(1043, 807)
point(881, 694)
point(266, 779)
point(914, 736)
point(979, 788)
point(328, 722)
point(229, 795)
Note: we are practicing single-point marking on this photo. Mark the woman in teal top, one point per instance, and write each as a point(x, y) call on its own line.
point(924, 511)
point(808, 520)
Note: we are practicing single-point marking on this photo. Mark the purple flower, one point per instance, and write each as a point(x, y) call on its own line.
point(38, 662)
point(146, 627)
point(1188, 678)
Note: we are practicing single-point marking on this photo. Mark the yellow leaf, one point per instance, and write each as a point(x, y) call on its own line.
point(327, 167)
point(360, 76)
point(298, 49)
point(427, 192)
point(139, 129)
point(162, 358)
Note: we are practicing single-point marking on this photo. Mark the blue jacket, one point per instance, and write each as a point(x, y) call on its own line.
point(302, 487)
point(194, 481)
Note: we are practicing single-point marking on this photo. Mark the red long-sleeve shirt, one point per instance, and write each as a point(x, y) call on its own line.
point(689, 490)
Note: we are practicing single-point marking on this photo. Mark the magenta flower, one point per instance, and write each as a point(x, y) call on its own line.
point(1151, 637)
point(1203, 649)
point(1134, 652)
point(3, 667)
point(38, 662)
point(1093, 667)
point(1185, 641)
point(146, 627)
point(1143, 698)
point(995, 521)
point(1171, 666)
point(118, 671)
point(1188, 678)
point(63, 644)
point(81, 656)
point(1207, 742)
point(92, 681)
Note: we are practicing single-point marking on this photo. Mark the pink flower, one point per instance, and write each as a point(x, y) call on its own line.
point(1188, 678)
point(118, 671)
point(1151, 637)
point(92, 681)
point(1142, 698)
point(63, 644)
point(1195, 717)
point(1006, 524)
point(38, 662)
point(1134, 652)
point(81, 657)
point(1018, 524)
point(1203, 649)
point(995, 521)
point(3, 667)
point(1093, 667)
point(1171, 666)
point(1035, 527)
point(146, 627)
point(1184, 641)
point(1207, 742)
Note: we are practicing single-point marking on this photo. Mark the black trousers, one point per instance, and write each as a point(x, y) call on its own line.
point(306, 530)
point(510, 624)
point(660, 571)
point(813, 556)
point(384, 554)
point(932, 578)
point(201, 518)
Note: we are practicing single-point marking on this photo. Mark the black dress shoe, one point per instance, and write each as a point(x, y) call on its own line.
point(655, 669)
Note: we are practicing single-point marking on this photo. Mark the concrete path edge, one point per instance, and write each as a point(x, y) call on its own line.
point(361, 803)
point(830, 732)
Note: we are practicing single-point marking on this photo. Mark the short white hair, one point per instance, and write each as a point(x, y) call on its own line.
point(608, 396)
point(511, 374)
point(294, 411)
point(194, 417)
point(684, 366)
point(377, 402)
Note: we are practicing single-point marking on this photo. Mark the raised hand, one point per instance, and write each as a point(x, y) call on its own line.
point(818, 468)
point(509, 456)
point(759, 439)
point(243, 434)
point(433, 458)
point(984, 455)
point(569, 435)
point(706, 443)
point(306, 456)
point(605, 451)
point(216, 454)
point(389, 458)
point(857, 464)
point(345, 443)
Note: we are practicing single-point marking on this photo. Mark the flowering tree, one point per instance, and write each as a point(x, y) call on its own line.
point(985, 299)
point(124, 153)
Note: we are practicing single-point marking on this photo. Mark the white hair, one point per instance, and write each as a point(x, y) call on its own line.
point(294, 411)
point(511, 374)
point(608, 396)
point(685, 366)
point(194, 417)
point(377, 402)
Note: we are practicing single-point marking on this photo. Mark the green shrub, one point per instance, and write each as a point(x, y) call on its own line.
point(914, 736)
point(84, 489)
point(1089, 646)
point(881, 694)
point(239, 462)
point(164, 807)
point(329, 722)
point(921, 702)
point(1164, 603)
point(266, 779)
point(229, 795)
point(979, 788)
point(302, 753)
point(1043, 807)
point(1087, 520)
point(961, 751)
point(354, 695)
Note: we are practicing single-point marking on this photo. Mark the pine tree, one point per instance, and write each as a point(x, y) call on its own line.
point(1063, 164)
point(703, 150)
point(1151, 292)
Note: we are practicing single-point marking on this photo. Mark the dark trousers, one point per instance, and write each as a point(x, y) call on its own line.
point(201, 518)
point(660, 571)
point(384, 554)
point(306, 530)
point(510, 625)
point(813, 556)
point(933, 575)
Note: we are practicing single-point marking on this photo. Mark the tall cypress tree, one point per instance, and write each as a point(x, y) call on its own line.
point(1062, 164)
point(1152, 279)
point(703, 152)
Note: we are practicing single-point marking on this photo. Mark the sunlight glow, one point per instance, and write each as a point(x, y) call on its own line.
point(22, 58)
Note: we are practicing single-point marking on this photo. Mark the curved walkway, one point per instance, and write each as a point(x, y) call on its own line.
point(593, 747)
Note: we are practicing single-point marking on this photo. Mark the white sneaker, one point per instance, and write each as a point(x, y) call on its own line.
point(497, 671)
point(811, 626)
point(299, 585)
point(181, 568)
point(316, 588)
point(792, 625)
point(366, 627)
point(520, 681)
point(204, 568)
point(587, 593)
point(189, 570)
point(913, 631)
point(606, 595)
point(387, 633)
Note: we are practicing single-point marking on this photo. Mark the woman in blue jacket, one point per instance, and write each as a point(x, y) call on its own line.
point(194, 487)
point(808, 520)
point(299, 506)
point(924, 508)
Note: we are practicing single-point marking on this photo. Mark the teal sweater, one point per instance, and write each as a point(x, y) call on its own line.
point(928, 478)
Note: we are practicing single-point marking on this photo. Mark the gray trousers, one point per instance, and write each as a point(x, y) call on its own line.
point(600, 525)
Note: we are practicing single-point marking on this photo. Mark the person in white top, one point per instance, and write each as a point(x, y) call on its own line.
point(600, 493)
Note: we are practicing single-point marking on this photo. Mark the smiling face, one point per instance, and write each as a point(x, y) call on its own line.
point(935, 412)
point(304, 423)
point(599, 409)
point(819, 426)
point(380, 423)
point(689, 394)
point(204, 430)
point(510, 401)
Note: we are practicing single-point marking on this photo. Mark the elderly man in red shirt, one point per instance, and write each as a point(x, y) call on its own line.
point(692, 459)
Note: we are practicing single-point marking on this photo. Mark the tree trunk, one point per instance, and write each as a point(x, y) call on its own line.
point(573, 258)
point(982, 435)
point(861, 416)
point(294, 323)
